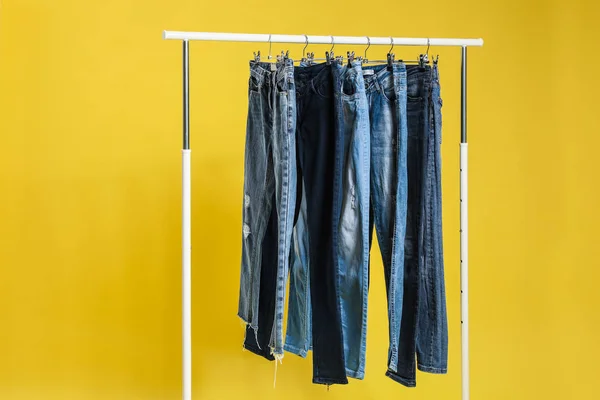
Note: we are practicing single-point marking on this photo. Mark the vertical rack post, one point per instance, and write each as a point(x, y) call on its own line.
point(186, 232)
point(464, 231)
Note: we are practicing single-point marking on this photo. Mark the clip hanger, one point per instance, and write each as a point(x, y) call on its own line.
point(365, 59)
point(283, 56)
point(350, 56)
point(390, 55)
point(424, 58)
point(304, 59)
point(329, 56)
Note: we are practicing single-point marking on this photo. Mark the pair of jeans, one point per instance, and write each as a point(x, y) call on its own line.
point(314, 310)
point(350, 228)
point(269, 203)
point(424, 327)
point(386, 94)
point(351, 205)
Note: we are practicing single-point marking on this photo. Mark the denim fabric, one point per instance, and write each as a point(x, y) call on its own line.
point(298, 338)
point(317, 152)
point(386, 94)
point(351, 234)
point(424, 329)
point(269, 181)
point(432, 323)
point(257, 341)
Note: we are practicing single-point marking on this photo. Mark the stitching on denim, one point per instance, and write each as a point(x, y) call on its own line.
point(429, 369)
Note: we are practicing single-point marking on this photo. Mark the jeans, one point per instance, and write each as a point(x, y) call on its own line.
point(351, 206)
point(424, 327)
point(298, 339)
point(269, 203)
point(386, 94)
point(317, 280)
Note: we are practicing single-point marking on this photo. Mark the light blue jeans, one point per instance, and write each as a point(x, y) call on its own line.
point(386, 94)
point(351, 241)
point(269, 181)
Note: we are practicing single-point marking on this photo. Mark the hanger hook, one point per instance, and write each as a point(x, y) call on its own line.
point(368, 45)
point(305, 45)
point(427, 52)
point(392, 43)
point(332, 44)
point(270, 43)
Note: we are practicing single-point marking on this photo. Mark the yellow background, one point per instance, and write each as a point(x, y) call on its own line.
point(90, 124)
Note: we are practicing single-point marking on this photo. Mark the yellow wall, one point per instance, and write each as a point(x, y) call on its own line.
point(90, 125)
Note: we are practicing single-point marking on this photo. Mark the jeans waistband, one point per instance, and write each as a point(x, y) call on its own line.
point(382, 77)
point(311, 75)
point(264, 74)
point(419, 80)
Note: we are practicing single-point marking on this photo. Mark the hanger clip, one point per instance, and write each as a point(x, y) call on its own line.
point(257, 56)
point(283, 56)
point(350, 56)
point(390, 60)
point(423, 59)
point(329, 57)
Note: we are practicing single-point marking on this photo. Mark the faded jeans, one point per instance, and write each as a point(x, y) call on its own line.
point(269, 204)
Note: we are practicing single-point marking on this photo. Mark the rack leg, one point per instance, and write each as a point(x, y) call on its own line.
point(186, 232)
point(464, 233)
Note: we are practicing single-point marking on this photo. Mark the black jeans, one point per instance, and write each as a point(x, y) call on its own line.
point(315, 129)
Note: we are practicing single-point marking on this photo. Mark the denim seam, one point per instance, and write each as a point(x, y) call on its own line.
point(337, 207)
point(285, 201)
point(404, 381)
point(330, 381)
point(359, 374)
point(295, 350)
point(393, 364)
point(365, 219)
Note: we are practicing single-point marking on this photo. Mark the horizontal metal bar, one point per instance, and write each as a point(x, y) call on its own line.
point(312, 39)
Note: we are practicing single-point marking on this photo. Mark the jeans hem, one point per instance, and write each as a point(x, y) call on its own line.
point(247, 322)
point(355, 374)
point(401, 380)
point(295, 350)
point(330, 381)
point(432, 370)
point(259, 352)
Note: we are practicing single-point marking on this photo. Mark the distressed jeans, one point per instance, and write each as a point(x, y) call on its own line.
point(351, 211)
point(269, 204)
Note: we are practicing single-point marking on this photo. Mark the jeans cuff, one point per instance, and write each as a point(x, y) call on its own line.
point(330, 381)
point(259, 352)
point(401, 380)
point(295, 350)
point(432, 370)
point(355, 374)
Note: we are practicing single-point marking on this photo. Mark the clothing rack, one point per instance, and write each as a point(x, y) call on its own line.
point(185, 37)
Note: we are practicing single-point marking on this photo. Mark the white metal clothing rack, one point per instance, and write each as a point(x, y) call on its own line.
point(185, 37)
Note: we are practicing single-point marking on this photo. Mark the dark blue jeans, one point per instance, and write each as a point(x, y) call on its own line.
point(316, 141)
point(424, 327)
